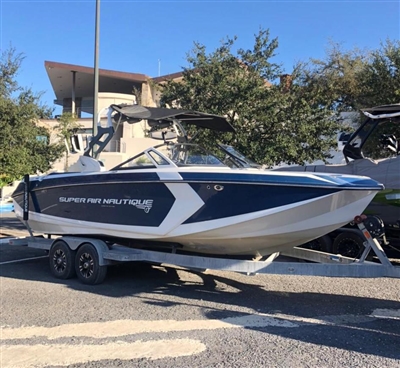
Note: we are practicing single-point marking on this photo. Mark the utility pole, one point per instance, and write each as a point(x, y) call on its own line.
point(96, 69)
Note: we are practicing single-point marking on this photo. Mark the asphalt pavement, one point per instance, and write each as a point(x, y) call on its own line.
point(153, 316)
point(11, 226)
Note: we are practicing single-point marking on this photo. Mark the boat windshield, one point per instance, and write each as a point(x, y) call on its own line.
point(181, 154)
point(373, 138)
point(235, 158)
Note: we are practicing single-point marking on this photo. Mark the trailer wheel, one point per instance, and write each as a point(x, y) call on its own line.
point(87, 265)
point(348, 244)
point(61, 259)
point(322, 244)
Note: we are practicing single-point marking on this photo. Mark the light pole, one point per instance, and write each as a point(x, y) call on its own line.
point(96, 69)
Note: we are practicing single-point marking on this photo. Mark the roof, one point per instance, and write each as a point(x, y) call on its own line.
point(111, 81)
point(167, 77)
point(60, 75)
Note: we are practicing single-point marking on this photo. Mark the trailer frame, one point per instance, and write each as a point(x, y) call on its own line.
point(88, 258)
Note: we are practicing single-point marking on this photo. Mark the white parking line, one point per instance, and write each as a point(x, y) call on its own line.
point(118, 328)
point(22, 260)
point(386, 313)
point(5, 240)
point(41, 355)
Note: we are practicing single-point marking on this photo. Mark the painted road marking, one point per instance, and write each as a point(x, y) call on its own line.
point(22, 260)
point(5, 241)
point(40, 355)
point(386, 313)
point(120, 328)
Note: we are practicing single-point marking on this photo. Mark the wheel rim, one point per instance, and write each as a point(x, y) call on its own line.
point(86, 265)
point(349, 248)
point(314, 245)
point(59, 261)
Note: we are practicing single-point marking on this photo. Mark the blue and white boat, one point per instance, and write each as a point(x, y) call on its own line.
point(179, 195)
point(6, 207)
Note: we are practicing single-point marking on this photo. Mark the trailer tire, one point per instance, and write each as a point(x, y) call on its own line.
point(349, 244)
point(61, 259)
point(87, 265)
point(322, 244)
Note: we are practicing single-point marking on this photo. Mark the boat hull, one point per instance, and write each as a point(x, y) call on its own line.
point(204, 217)
point(386, 204)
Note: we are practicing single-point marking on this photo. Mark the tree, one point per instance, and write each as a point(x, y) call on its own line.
point(380, 81)
point(336, 79)
point(351, 80)
point(274, 123)
point(355, 79)
point(24, 145)
point(66, 127)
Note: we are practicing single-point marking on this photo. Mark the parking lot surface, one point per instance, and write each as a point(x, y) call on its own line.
point(153, 316)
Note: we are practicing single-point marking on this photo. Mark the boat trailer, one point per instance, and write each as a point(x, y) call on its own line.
point(89, 258)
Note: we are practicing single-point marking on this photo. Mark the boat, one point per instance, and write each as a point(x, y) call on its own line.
point(377, 130)
point(6, 202)
point(6, 206)
point(177, 195)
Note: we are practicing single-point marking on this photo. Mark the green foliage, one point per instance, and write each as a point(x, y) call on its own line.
point(336, 79)
point(66, 127)
point(380, 83)
point(355, 79)
point(274, 123)
point(21, 150)
point(373, 147)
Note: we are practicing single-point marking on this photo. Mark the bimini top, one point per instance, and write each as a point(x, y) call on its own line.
point(382, 110)
point(136, 113)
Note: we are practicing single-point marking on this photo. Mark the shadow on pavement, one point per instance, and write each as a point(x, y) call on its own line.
point(339, 321)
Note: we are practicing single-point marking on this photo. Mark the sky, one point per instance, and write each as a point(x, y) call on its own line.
point(154, 37)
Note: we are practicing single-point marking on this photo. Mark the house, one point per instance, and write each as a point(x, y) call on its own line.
point(73, 87)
